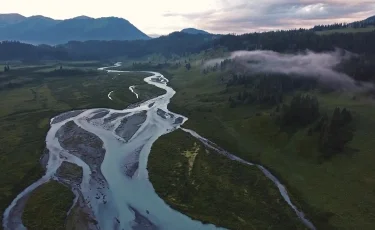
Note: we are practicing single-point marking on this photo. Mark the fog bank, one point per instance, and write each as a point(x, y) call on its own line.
point(320, 66)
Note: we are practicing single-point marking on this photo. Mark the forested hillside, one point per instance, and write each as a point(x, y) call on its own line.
point(175, 43)
point(296, 40)
point(182, 43)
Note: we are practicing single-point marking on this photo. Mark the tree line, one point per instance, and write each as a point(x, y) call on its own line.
point(297, 40)
point(335, 26)
point(185, 44)
point(335, 131)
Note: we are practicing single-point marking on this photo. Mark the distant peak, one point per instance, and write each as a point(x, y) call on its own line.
point(193, 31)
point(113, 18)
point(40, 17)
point(82, 17)
point(12, 15)
point(11, 18)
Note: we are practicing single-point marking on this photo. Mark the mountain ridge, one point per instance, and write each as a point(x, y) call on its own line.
point(39, 29)
point(6, 19)
point(194, 31)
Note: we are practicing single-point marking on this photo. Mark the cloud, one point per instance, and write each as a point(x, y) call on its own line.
point(320, 66)
point(242, 16)
point(191, 15)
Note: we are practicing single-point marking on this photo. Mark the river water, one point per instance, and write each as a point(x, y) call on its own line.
point(115, 186)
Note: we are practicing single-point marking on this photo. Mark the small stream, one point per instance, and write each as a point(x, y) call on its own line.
point(115, 184)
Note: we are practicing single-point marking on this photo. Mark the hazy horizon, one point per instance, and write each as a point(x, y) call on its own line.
point(216, 16)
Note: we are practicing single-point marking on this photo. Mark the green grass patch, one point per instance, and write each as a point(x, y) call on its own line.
point(209, 187)
point(70, 172)
point(47, 207)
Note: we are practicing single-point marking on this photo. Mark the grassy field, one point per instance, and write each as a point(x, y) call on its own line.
point(26, 108)
point(52, 196)
point(209, 187)
point(347, 30)
point(336, 194)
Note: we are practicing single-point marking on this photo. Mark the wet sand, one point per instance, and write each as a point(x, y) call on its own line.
point(130, 125)
point(67, 115)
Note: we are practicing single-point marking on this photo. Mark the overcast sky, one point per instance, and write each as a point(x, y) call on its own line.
point(217, 16)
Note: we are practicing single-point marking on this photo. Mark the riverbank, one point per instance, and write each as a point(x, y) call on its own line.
point(209, 187)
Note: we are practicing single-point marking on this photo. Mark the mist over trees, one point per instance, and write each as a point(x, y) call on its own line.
point(333, 132)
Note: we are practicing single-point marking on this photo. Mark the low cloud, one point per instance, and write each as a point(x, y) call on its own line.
point(320, 66)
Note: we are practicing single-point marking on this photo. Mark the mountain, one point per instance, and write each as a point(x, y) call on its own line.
point(194, 31)
point(40, 29)
point(28, 29)
point(7, 19)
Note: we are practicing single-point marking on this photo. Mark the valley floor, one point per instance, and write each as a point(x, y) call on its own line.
point(335, 194)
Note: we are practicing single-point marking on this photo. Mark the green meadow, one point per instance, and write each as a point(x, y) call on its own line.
point(209, 187)
point(335, 193)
